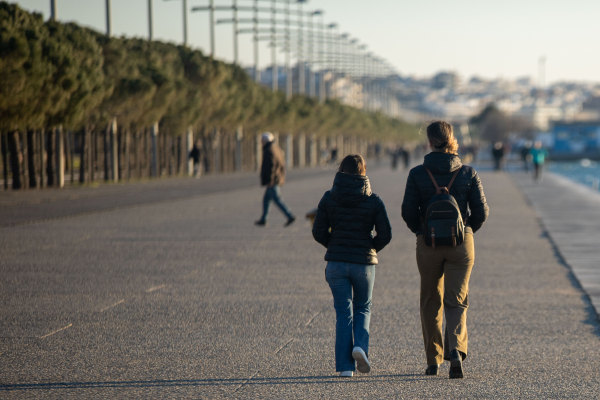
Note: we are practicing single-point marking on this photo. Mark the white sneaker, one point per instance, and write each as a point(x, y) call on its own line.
point(362, 362)
point(346, 374)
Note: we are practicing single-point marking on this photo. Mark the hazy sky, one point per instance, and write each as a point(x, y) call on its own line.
point(488, 38)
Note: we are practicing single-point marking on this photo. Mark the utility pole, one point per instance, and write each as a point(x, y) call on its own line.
point(108, 21)
point(53, 15)
point(311, 54)
point(255, 22)
point(150, 32)
point(300, 40)
point(274, 69)
point(235, 32)
point(288, 71)
point(185, 22)
point(212, 28)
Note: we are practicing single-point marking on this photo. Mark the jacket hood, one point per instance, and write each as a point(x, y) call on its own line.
point(442, 163)
point(350, 190)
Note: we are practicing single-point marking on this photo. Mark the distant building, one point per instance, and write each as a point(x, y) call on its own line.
point(576, 137)
point(445, 80)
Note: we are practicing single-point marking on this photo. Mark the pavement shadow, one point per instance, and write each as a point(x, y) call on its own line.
point(593, 318)
point(296, 380)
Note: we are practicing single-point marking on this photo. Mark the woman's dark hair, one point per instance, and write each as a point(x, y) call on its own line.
point(441, 136)
point(353, 164)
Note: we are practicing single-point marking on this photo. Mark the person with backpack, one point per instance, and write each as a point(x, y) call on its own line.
point(444, 205)
point(344, 224)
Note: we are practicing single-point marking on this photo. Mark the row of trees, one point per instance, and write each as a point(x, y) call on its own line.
point(59, 77)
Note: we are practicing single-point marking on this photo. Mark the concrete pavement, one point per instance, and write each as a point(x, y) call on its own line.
point(187, 299)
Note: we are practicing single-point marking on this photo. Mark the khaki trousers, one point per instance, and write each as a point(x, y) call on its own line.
point(445, 273)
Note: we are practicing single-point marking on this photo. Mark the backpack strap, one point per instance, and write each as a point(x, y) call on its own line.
point(442, 189)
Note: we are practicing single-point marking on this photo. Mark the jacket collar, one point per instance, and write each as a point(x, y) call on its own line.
point(442, 163)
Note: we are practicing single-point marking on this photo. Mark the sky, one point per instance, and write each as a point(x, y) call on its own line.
point(485, 38)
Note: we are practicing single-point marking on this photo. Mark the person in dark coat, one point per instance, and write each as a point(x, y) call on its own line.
point(344, 225)
point(272, 175)
point(498, 152)
point(195, 155)
point(444, 270)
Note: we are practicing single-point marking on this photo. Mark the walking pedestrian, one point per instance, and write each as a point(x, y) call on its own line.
point(538, 157)
point(526, 155)
point(442, 186)
point(272, 175)
point(195, 155)
point(344, 225)
point(498, 152)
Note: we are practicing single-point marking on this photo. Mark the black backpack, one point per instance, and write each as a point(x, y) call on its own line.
point(443, 224)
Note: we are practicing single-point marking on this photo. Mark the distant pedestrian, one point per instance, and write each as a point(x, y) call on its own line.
point(196, 156)
point(526, 155)
point(498, 152)
point(395, 154)
point(444, 205)
point(344, 224)
point(334, 154)
point(272, 175)
point(538, 156)
point(406, 155)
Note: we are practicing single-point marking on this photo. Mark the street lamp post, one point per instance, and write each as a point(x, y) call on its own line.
point(53, 15)
point(255, 22)
point(274, 69)
point(332, 63)
point(185, 21)
point(301, 72)
point(311, 53)
point(108, 19)
point(150, 31)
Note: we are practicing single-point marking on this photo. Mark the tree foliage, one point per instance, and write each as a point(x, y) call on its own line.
point(494, 125)
point(55, 73)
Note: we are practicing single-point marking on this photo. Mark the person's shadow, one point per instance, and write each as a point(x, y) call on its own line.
point(257, 380)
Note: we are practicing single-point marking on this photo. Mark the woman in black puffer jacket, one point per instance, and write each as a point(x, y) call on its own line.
point(344, 225)
point(444, 270)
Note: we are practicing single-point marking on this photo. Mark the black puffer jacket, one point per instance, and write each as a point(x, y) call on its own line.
point(351, 210)
point(466, 189)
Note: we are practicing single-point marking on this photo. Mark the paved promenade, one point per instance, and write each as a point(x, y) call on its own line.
point(183, 297)
point(570, 214)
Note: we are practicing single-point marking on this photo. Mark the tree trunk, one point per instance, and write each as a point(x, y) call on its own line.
point(114, 150)
point(90, 154)
point(50, 143)
point(70, 148)
point(13, 146)
point(31, 159)
point(82, 155)
point(106, 153)
point(42, 158)
point(24, 159)
point(127, 154)
point(154, 163)
point(60, 157)
point(4, 145)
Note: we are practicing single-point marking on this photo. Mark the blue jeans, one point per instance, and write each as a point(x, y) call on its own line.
point(352, 310)
point(272, 194)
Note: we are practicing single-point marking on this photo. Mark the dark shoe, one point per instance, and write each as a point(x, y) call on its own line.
point(432, 369)
point(290, 221)
point(456, 371)
point(260, 223)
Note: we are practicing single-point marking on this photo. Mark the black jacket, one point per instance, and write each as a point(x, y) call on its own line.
point(272, 171)
point(351, 210)
point(467, 191)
